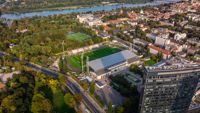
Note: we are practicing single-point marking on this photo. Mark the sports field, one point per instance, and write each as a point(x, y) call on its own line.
point(95, 54)
point(80, 37)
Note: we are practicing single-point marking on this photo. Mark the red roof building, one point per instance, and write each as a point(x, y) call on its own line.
point(155, 50)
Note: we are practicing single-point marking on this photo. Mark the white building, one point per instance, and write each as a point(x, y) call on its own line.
point(162, 39)
point(89, 19)
point(100, 84)
point(180, 36)
point(84, 17)
point(151, 36)
point(194, 17)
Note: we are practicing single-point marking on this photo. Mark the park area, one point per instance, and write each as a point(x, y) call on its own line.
point(80, 37)
point(95, 54)
point(58, 98)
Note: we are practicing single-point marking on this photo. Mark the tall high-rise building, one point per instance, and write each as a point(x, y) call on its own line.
point(169, 86)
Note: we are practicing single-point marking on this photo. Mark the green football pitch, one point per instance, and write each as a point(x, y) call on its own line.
point(95, 54)
point(80, 37)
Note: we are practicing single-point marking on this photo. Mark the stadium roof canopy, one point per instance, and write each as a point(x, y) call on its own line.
point(111, 60)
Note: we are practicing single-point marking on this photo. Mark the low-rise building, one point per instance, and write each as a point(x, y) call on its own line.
point(89, 19)
point(194, 17)
point(177, 46)
point(162, 41)
point(104, 35)
point(194, 41)
point(155, 50)
point(100, 84)
point(197, 57)
point(192, 51)
point(180, 36)
point(151, 36)
point(2, 86)
point(140, 41)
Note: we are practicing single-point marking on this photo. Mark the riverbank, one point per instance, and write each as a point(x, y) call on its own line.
point(45, 9)
point(58, 6)
point(107, 7)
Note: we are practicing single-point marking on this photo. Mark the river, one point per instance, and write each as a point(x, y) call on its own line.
point(82, 10)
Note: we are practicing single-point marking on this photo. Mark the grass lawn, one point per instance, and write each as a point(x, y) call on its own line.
point(58, 101)
point(80, 37)
point(149, 62)
point(102, 52)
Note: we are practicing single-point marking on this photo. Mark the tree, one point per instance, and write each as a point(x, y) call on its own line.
point(62, 79)
point(20, 92)
point(101, 28)
point(139, 33)
point(119, 109)
point(85, 85)
point(110, 108)
point(134, 88)
point(90, 42)
point(136, 69)
point(18, 66)
point(154, 58)
point(7, 105)
point(53, 83)
point(159, 56)
point(14, 24)
point(92, 88)
point(78, 98)
point(131, 104)
point(63, 65)
point(69, 100)
point(148, 51)
point(153, 24)
point(40, 104)
point(23, 79)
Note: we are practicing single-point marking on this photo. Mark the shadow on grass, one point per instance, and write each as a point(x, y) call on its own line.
point(59, 104)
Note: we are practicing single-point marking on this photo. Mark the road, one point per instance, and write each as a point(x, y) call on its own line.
point(125, 43)
point(87, 99)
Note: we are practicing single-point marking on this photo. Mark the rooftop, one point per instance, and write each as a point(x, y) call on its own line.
point(111, 60)
point(174, 63)
point(159, 49)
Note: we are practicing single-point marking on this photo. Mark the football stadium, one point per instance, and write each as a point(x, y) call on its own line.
point(103, 61)
point(113, 63)
point(75, 60)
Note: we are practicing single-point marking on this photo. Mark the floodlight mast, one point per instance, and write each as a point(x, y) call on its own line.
point(63, 48)
point(87, 63)
point(131, 47)
point(82, 63)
